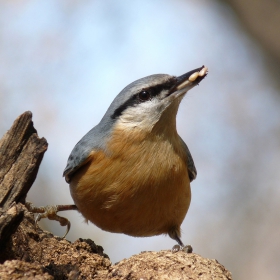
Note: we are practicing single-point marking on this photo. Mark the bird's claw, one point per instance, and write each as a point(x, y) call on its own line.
point(187, 249)
point(50, 212)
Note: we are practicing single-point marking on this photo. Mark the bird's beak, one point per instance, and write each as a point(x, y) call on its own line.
point(189, 80)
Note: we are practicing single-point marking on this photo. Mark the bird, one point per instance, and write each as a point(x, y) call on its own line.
point(131, 173)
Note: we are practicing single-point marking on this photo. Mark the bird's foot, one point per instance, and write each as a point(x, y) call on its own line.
point(50, 212)
point(187, 249)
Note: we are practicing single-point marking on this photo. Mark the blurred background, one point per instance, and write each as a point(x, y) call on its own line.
point(66, 60)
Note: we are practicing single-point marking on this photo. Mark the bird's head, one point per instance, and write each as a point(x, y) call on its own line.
point(152, 101)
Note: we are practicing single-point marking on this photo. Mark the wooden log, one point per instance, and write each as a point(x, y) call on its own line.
point(21, 152)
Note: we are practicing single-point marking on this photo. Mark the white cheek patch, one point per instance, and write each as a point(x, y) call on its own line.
point(143, 115)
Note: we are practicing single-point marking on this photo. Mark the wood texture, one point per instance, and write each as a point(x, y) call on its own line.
point(21, 152)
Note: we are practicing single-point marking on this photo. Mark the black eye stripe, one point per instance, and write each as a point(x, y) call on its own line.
point(129, 103)
point(134, 99)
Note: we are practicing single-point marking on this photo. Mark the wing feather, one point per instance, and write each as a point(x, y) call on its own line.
point(190, 163)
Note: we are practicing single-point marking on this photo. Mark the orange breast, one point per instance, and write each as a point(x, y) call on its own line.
point(140, 187)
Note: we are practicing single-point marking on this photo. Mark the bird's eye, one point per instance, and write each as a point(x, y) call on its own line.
point(144, 95)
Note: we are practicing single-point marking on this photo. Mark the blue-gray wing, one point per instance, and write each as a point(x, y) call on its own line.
point(190, 163)
point(78, 157)
point(94, 140)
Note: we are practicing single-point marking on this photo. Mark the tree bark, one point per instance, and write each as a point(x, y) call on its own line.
point(21, 152)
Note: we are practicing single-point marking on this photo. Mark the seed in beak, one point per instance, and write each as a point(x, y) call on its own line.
point(203, 71)
point(193, 76)
point(183, 85)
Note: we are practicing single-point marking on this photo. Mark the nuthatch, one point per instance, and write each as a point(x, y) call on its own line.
point(131, 173)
